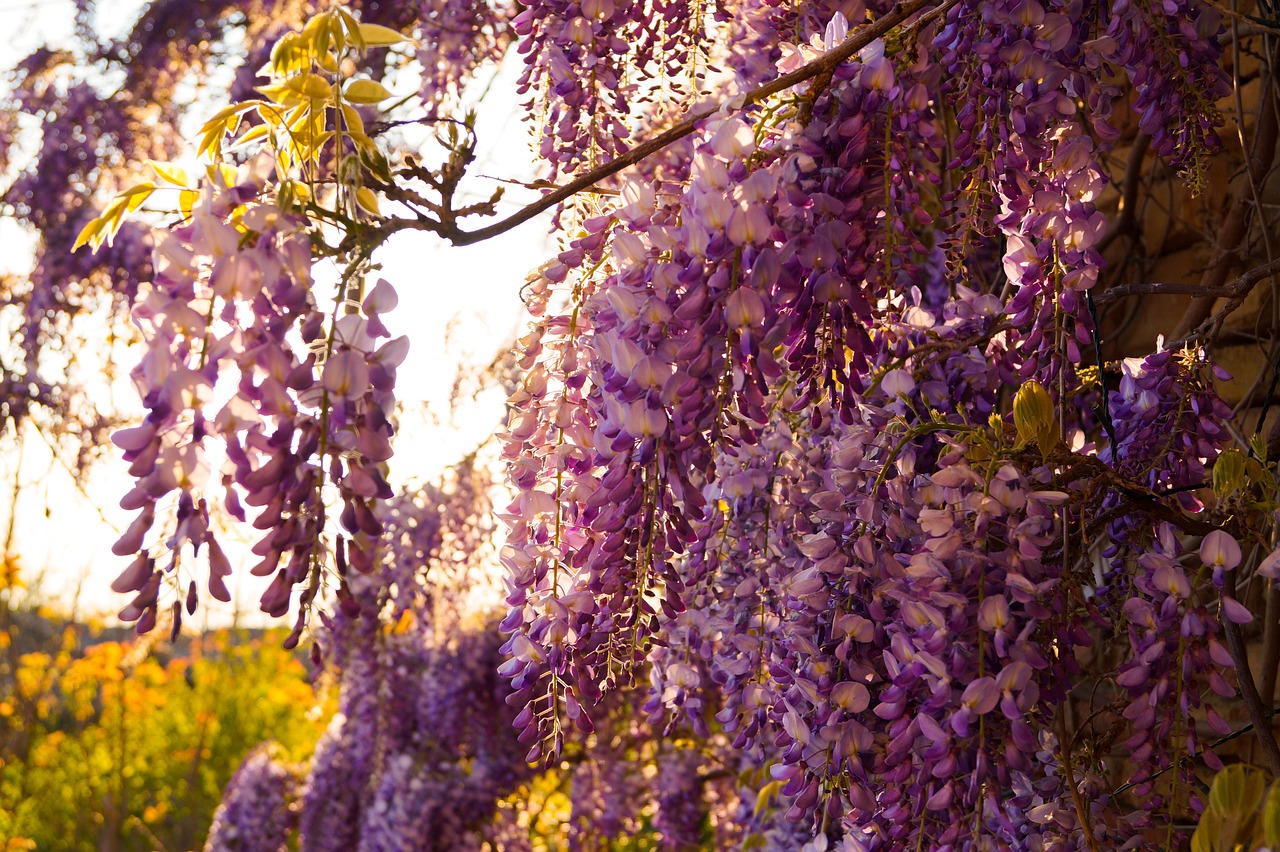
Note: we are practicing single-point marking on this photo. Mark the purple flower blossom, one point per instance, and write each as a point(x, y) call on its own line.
point(258, 811)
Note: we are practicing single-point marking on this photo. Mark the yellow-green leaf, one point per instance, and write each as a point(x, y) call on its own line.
point(134, 196)
point(376, 35)
point(1255, 788)
point(366, 92)
point(327, 61)
point(145, 188)
point(1228, 473)
point(283, 53)
point(277, 92)
point(1227, 794)
point(366, 199)
point(322, 37)
point(765, 797)
point(256, 132)
point(270, 114)
point(337, 37)
point(1205, 838)
point(89, 231)
point(221, 116)
point(353, 29)
point(352, 120)
point(186, 201)
point(169, 173)
point(310, 85)
point(318, 142)
point(111, 218)
point(210, 144)
point(313, 28)
point(362, 141)
point(223, 171)
point(296, 118)
point(1271, 818)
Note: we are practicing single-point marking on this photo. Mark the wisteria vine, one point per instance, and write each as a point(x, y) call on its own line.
point(832, 518)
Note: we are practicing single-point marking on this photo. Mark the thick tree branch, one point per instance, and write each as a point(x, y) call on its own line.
point(1127, 221)
point(1270, 646)
point(1238, 289)
point(1248, 689)
point(824, 64)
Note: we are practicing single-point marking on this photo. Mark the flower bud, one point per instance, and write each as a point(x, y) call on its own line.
point(1228, 474)
point(1034, 418)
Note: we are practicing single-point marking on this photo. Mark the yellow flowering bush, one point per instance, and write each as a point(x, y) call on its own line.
point(110, 745)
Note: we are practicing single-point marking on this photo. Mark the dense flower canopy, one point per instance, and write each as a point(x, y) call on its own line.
point(834, 515)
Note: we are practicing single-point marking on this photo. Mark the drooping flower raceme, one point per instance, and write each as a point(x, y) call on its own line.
point(239, 353)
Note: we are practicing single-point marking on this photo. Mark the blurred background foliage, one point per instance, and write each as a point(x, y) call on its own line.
point(110, 742)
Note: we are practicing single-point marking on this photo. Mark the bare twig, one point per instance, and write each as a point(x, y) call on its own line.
point(824, 64)
point(1069, 772)
point(1197, 319)
point(1220, 741)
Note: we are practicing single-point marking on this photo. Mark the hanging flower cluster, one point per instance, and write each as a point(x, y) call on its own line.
point(457, 37)
point(1176, 44)
point(418, 755)
point(78, 120)
point(241, 356)
point(589, 64)
point(771, 452)
point(231, 311)
point(257, 810)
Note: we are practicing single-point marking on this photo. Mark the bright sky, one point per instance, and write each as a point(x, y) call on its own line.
point(458, 305)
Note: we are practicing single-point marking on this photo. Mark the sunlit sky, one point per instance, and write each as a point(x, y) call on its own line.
point(458, 305)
